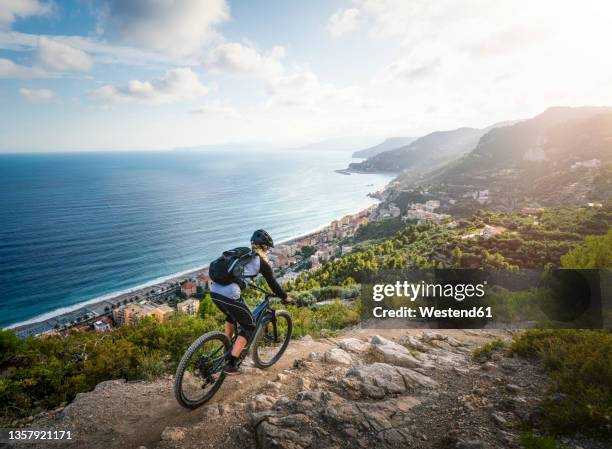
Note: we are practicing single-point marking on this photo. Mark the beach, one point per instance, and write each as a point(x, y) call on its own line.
point(156, 292)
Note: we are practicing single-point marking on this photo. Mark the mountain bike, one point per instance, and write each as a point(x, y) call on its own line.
point(200, 372)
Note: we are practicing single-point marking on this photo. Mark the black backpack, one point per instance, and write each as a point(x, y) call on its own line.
point(229, 267)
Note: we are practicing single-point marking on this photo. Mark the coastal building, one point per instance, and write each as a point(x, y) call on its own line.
point(162, 312)
point(394, 211)
point(189, 306)
point(432, 205)
point(189, 288)
point(592, 163)
point(279, 259)
point(202, 280)
point(102, 325)
point(314, 261)
point(127, 314)
point(422, 216)
point(486, 232)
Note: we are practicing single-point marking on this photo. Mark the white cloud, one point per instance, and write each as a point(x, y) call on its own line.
point(37, 96)
point(344, 21)
point(239, 59)
point(216, 109)
point(302, 88)
point(58, 56)
point(178, 27)
point(100, 52)
point(176, 85)
point(10, 70)
point(11, 10)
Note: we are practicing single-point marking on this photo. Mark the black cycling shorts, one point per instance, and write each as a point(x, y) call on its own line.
point(236, 311)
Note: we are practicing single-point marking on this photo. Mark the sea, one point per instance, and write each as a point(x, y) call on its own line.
point(82, 227)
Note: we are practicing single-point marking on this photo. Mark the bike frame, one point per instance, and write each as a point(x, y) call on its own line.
point(263, 310)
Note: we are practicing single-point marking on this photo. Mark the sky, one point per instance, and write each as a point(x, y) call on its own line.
point(159, 74)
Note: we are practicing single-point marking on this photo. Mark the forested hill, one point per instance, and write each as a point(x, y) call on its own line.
point(424, 153)
point(526, 240)
point(392, 143)
point(560, 157)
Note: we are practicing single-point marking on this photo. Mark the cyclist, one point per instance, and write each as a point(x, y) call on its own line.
point(227, 297)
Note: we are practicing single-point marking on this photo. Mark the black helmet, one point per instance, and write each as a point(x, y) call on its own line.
point(261, 237)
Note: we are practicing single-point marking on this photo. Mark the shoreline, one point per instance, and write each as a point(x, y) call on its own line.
point(139, 290)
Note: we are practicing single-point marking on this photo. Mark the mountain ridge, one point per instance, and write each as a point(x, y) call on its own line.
point(390, 143)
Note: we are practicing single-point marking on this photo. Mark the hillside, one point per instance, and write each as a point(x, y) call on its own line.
point(424, 153)
point(391, 143)
point(433, 389)
point(561, 156)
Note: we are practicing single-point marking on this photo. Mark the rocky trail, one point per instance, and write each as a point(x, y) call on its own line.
point(365, 388)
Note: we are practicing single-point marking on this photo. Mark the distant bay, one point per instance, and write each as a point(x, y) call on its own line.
point(80, 226)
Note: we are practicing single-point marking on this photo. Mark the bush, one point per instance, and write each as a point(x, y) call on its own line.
point(579, 363)
point(531, 441)
point(305, 299)
point(326, 318)
point(484, 352)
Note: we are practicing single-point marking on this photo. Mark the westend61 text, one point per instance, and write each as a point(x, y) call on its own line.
point(432, 312)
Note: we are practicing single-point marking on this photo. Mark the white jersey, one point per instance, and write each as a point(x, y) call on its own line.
point(232, 291)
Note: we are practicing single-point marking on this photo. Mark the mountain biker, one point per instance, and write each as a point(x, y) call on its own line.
point(227, 297)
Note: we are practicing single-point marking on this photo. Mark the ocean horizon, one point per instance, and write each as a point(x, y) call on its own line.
point(82, 227)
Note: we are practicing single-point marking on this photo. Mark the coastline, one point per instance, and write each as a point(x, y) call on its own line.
point(97, 304)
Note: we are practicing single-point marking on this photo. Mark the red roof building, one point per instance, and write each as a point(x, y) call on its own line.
point(189, 288)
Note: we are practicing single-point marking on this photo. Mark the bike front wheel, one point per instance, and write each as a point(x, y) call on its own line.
point(200, 372)
point(272, 339)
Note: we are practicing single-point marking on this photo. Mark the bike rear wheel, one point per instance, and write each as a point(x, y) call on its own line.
point(272, 339)
point(200, 372)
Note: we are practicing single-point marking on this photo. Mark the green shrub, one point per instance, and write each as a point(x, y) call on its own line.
point(326, 318)
point(151, 365)
point(579, 363)
point(531, 441)
point(305, 298)
point(485, 351)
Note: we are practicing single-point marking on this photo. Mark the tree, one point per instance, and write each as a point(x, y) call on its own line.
point(595, 252)
point(456, 254)
point(307, 251)
point(207, 307)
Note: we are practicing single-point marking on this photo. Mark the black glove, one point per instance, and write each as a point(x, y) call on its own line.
point(288, 301)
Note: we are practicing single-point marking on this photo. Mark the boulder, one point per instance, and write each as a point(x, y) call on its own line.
point(337, 355)
point(413, 343)
point(272, 436)
point(173, 434)
point(314, 356)
point(415, 381)
point(431, 336)
point(380, 379)
point(376, 380)
point(261, 402)
point(395, 354)
point(378, 340)
point(354, 345)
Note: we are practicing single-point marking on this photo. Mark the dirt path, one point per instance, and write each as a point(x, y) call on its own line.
point(129, 415)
